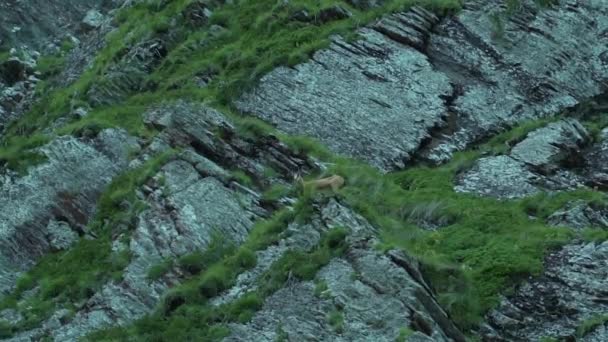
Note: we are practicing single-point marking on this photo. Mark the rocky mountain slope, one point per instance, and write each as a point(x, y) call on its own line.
point(148, 151)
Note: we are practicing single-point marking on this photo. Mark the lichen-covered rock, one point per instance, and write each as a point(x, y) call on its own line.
point(92, 20)
point(552, 146)
point(35, 22)
point(541, 161)
point(596, 165)
point(127, 75)
point(571, 291)
point(414, 85)
point(64, 188)
point(580, 215)
point(500, 176)
point(377, 295)
point(546, 60)
point(190, 202)
point(373, 99)
point(184, 216)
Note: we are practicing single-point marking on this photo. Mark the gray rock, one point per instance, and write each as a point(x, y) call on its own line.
point(374, 99)
point(596, 170)
point(500, 176)
point(127, 75)
point(404, 91)
point(571, 290)
point(383, 299)
point(332, 13)
point(181, 219)
point(40, 21)
point(521, 75)
point(548, 148)
point(60, 235)
point(92, 20)
point(64, 188)
point(298, 237)
point(579, 215)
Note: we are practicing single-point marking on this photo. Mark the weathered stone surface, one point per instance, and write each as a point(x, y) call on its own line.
point(403, 90)
point(596, 162)
point(92, 20)
point(547, 60)
point(540, 161)
point(190, 201)
point(374, 99)
point(64, 188)
point(580, 215)
point(61, 235)
point(500, 176)
point(570, 291)
point(377, 294)
point(35, 22)
point(127, 75)
point(183, 218)
point(548, 148)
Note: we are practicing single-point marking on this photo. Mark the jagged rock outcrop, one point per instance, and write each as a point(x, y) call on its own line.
point(378, 295)
point(580, 215)
point(541, 161)
point(126, 76)
point(596, 161)
point(571, 291)
point(557, 144)
point(500, 176)
point(192, 199)
point(63, 190)
point(35, 22)
point(416, 86)
point(17, 83)
point(375, 98)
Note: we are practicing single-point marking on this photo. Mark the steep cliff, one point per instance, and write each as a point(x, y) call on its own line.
point(148, 151)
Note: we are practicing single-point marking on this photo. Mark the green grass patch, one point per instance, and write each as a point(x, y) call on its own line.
point(595, 234)
point(590, 324)
point(336, 320)
point(17, 153)
point(157, 271)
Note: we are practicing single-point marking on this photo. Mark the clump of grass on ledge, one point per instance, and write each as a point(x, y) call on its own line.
point(587, 326)
point(68, 277)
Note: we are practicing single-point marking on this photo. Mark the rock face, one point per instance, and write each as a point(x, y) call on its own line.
point(184, 216)
point(571, 291)
point(540, 161)
point(190, 201)
point(34, 22)
point(61, 192)
point(377, 294)
point(415, 86)
point(580, 215)
point(546, 149)
point(374, 99)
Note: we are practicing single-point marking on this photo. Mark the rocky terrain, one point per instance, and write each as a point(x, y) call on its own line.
point(148, 151)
